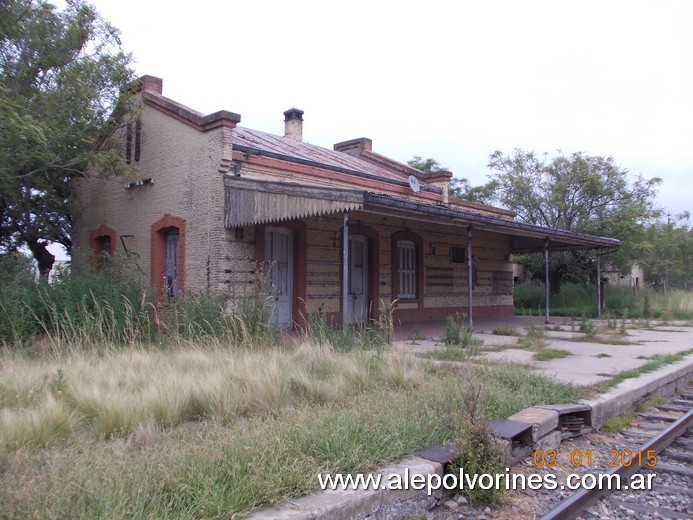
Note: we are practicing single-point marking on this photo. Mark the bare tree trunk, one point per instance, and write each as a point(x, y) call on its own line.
point(44, 258)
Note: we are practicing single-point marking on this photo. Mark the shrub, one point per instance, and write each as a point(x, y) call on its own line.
point(17, 299)
point(476, 447)
point(588, 327)
point(458, 333)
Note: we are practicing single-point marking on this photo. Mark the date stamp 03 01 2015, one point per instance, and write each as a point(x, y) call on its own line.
point(585, 458)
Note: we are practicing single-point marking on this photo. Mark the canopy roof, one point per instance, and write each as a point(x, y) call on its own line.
point(251, 202)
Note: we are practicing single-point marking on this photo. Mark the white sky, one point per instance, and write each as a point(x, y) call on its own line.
point(449, 80)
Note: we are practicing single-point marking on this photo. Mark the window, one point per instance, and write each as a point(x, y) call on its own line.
point(104, 247)
point(458, 255)
point(406, 251)
point(128, 141)
point(172, 281)
point(407, 267)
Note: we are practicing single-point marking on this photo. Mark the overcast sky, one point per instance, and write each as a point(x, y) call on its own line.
point(454, 81)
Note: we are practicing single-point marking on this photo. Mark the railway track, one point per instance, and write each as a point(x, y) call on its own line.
point(670, 473)
point(653, 462)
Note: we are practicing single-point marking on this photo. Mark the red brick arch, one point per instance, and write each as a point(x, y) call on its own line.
point(159, 230)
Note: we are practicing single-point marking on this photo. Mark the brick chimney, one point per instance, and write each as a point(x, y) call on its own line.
point(149, 83)
point(355, 146)
point(293, 124)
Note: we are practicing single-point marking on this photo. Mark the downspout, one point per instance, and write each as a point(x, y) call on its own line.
point(546, 277)
point(345, 272)
point(470, 282)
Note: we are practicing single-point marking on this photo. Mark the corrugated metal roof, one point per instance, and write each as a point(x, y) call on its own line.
point(309, 152)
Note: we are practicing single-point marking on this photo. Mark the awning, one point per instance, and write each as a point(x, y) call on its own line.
point(524, 238)
point(261, 202)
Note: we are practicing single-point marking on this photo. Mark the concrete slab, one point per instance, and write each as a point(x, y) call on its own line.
point(550, 441)
point(543, 421)
point(622, 399)
point(360, 503)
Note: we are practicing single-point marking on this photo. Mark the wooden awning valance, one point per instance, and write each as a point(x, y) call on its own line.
point(250, 202)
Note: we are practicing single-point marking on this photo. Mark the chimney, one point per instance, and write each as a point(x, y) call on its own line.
point(151, 84)
point(293, 124)
point(355, 146)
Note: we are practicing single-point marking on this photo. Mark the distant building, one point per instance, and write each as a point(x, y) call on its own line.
point(635, 279)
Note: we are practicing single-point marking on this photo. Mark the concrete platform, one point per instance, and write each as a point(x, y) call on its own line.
point(590, 362)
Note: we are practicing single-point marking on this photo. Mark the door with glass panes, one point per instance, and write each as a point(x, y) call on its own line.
point(279, 273)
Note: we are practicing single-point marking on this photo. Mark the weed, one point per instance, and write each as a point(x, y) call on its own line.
point(588, 327)
point(621, 422)
point(450, 354)
point(652, 402)
point(534, 340)
point(402, 370)
point(506, 330)
point(458, 333)
point(603, 355)
point(549, 354)
point(415, 335)
point(477, 448)
point(386, 323)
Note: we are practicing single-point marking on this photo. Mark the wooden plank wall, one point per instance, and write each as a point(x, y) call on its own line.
point(445, 283)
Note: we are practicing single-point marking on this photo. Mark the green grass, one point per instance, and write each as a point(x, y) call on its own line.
point(506, 330)
point(218, 432)
point(458, 333)
point(652, 402)
point(534, 340)
point(603, 355)
point(448, 354)
point(549, 354)
point(621, 422)
point(655, 362)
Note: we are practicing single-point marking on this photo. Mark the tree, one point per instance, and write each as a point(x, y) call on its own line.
point(459, 188)
point(578, 192)
point(667, 252)
point(426, 165)
point(61, 76)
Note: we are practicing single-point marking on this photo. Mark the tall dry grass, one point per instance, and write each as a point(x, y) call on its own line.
point(113, 394)
point(257, 426)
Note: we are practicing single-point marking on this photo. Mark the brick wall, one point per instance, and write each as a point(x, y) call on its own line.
point(185, 166)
